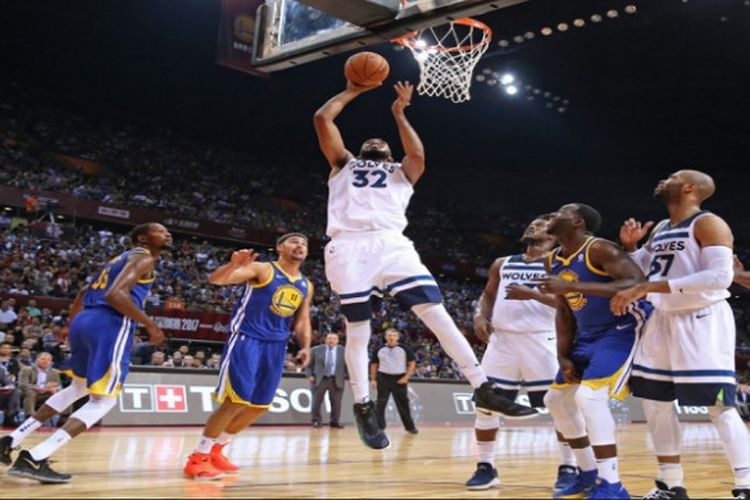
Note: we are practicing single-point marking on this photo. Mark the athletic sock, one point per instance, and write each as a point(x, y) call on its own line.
point(486, 451)
point(585, 458)
point(24, 430)
point(205, 444)
point(50, 445)
point(224, 438)
point(357, 359)
point(672, 474)
point(608, 469)
point(567, 457)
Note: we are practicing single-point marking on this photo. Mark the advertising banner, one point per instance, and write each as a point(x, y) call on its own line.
point(234, 47)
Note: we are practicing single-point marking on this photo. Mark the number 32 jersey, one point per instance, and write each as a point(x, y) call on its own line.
point(95, 295)
point(368, 195)
point(675, 253)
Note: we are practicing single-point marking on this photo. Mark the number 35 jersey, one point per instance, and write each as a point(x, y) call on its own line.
point(95, 295)
point(368, 195)
point(675, 253)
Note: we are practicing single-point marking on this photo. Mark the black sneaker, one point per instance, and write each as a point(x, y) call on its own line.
point(26, 466)
point(412, 431)
point(661, 492)
point(5, 449)
point(367, 424)
point(741, 494)
point(490, 401)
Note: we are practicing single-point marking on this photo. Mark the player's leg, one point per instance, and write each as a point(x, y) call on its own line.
point(410, 282)
point(352, 267)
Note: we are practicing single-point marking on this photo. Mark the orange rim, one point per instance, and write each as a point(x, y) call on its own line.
point(410, 39)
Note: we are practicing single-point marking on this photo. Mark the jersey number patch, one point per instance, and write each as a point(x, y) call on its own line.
point(661, 264)
point(102, 281)
point(371, 178)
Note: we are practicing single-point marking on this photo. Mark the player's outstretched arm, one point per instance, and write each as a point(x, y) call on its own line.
point(413, 163)
point(240, 269)
point(329, 136)
point(741, 277)
point(118, 295)
point(483, 312)
point(303, 326)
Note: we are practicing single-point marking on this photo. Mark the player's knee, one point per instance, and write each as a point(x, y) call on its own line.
point(553, 399)
point(717, 412)
point(94, 410)
point(657, 409)
point(586, 397)
point(486, 422)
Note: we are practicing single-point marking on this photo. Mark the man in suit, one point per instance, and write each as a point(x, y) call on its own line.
point(9, 397)
point(37, 383)
point(326, 372)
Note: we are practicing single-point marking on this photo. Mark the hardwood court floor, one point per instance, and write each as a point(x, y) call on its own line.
point(306, 462)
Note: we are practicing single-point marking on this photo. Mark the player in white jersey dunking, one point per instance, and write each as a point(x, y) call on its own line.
point(518, 322)
point(687, 350)
point(368, 255)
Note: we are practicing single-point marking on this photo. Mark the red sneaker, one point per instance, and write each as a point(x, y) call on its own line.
point(220, 461)
point(199, 466)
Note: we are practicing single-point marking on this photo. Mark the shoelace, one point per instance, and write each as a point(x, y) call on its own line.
point(657, 494)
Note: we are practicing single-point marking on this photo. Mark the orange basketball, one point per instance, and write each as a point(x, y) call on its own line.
point(366, 69)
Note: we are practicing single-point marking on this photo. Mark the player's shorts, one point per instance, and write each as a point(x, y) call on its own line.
point(605, 359)
point(250, 371)
point(514, 359)
point(100, 340)
point(363, 266)
point(688, 356)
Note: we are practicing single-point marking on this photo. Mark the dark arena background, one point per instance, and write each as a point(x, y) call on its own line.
point(115, 113)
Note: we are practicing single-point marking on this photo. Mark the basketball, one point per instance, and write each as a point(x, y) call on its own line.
point(366, 69)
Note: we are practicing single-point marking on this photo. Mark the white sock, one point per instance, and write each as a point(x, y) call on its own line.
point(224, 438)
point(437, 319)
point(486, 451)
point(24, 430)
point(50, 445)
point(357, 359)
point(585, 458)
point(567, 457)
point(205, 444)
point(671, 474)
point(608, 469)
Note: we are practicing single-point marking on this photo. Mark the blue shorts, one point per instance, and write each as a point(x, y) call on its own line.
point(100, 340)
point(250, 371)
point(604, 359)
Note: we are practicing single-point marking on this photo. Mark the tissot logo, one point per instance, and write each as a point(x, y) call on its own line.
point(463, 403)
point(170, 398)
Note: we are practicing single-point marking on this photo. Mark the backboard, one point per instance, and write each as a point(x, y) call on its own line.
point(293, 32)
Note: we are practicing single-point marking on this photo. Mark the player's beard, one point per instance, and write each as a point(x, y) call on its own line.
point(374, 154)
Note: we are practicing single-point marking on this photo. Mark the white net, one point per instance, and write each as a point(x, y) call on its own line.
point(447, 56)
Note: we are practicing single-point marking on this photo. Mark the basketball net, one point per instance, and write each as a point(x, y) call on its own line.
point(447, 56)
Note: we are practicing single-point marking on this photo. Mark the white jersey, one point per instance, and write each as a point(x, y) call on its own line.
point(675, 253)
point(521, 316)
point(368, 195)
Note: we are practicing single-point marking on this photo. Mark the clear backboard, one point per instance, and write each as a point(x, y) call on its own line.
point(293, 32)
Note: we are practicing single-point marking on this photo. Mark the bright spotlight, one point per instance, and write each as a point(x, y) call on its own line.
point(612, 14)
point(518, 39)
point(422, 56)
point(562, 27)
point(529, 35)
point(507, 79)
point(480, 78)
point(420, 44)
point(630, 9)
point(596, 18)
point(579, 23)
point(546, 31)
point(511, 90)
point(503, 43)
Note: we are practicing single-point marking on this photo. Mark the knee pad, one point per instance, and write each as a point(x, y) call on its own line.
point(567, 418)
point(663, 427)
point(594, 405)
point(66, 397)
point(486, 422)
point(94, 410)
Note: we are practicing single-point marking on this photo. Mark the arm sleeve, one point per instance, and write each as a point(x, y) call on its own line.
point(717, 273)
point(642, 257)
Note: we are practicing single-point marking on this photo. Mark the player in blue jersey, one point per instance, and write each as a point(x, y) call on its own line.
point(276, 300)
point(594, 347)
point(104, 315)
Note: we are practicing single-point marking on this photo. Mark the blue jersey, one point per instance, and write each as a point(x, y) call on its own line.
point(592, 312)
point(96, 292)
point(266, 311)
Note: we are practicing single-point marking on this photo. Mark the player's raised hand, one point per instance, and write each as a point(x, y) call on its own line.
point(243, 257)
point(404, 91)
point(354, 87)
point(520, 292)
point(633, 231)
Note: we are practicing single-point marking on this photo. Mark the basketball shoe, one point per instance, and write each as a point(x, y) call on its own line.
point(220, 461)
point(741, 494)
point(489, 401)
point(566, 476)
point(370, 431)
point(583, 485)
point(605, 490)
point(5, 450)
point(484, 478)
point(662, 492)
point(26, 466)
point(200, 466)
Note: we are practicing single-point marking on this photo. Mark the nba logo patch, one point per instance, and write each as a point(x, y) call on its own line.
point(170, 398)
point(580, 258)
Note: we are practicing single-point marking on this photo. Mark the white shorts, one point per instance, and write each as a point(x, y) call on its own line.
point(515, 359)
point(363, 266)
point(688, 356)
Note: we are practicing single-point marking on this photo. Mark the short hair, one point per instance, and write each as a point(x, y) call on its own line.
point(286, 236)
point(591, 216)
point(389, 330)
point(140, 230)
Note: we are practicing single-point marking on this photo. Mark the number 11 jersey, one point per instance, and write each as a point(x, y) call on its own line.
point(675, 253)
point(368, 195)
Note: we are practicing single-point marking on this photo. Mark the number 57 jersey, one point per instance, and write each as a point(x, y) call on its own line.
point(676, 253)
point(368, 195)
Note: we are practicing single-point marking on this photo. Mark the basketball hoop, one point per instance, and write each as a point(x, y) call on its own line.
point(447, 56)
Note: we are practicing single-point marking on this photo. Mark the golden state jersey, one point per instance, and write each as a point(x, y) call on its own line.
point(368, 195)
point(95, 295)
point(266, 311)
point(592, 312)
